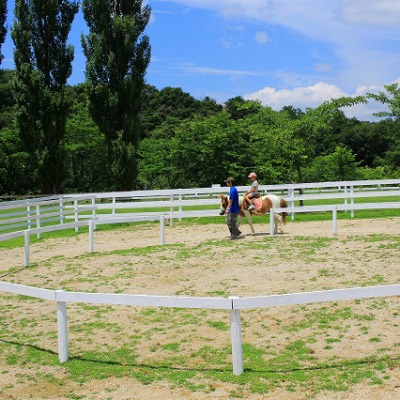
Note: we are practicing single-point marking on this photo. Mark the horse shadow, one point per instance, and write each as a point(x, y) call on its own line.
point(264, 234)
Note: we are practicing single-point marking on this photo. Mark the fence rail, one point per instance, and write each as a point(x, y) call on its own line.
point(231, 304)
point(84, 210)
point(332, 208)
point(177, 203)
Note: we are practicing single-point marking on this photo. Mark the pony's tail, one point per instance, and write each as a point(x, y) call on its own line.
point(283, 203)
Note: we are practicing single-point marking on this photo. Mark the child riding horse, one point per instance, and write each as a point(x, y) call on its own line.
point(266, 203)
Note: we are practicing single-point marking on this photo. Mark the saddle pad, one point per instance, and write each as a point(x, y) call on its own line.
point(257, 203)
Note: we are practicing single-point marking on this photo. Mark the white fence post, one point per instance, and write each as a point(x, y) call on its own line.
point(38, 224)
point(28, 212)
point(62, 326)
point(334, 220)
point(26, 247)
point(171, 209)
point(76, 214)
point(236, 340)
point(291, 201)
point(91, 236)
point(162, 229)
point(62, 217)
point(180, 206)
point(114, 201)
point(271, 222)
point(94, 209)
point(352, 200)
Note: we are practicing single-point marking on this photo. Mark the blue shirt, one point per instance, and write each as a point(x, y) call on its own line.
point(234, 196)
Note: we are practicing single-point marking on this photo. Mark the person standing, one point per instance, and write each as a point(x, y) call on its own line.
point(232, 210)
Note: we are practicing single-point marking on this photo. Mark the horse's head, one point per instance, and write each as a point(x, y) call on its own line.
point(224, 204)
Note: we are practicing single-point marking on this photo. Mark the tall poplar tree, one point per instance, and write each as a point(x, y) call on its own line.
point(3, 30)
point(43, 64)
point(118, 54)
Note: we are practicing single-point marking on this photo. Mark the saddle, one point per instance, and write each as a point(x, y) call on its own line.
point(257, 204)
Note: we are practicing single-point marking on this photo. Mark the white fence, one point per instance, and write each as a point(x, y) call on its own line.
point(232, 304)
point(332, 208)
point(178, 203)
point(87, 210)
point(51, 213)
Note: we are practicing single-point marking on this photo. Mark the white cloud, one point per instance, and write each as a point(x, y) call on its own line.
point(363, 35)
point(376, 12)
point(199, 70)
point(314, 95)
point(261, 37)
point(302, 97)
point(357, 31)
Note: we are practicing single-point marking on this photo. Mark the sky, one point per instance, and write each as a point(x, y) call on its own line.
point(280, 52)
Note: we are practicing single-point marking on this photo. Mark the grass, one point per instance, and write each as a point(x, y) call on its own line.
point(292, 368)
point(296, 350)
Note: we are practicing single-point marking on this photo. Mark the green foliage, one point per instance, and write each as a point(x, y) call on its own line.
point(207, 150)
point(85, 147)
point(43, 64)
point(117, 58)
point(391, 98)
point(3, 30)
point(340, 165)
point(6, 99)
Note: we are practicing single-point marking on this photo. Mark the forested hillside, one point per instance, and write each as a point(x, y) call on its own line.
point(186, 142)
point(116, 131)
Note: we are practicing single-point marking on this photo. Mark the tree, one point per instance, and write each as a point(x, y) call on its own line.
point(341, 165)
point(118, 54)
point(43, 64)
point(6, 98)
point(206, 150)
point(85, 147)
point(3, 30)
point(161, 106)
point(391, 98)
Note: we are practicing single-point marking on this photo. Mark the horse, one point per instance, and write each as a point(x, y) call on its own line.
point(262, 207)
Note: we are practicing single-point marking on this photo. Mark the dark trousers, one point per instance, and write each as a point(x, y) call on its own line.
point(231, 222)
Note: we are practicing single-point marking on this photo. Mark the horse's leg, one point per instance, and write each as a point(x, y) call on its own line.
point(247, 213)
point(278, 221)
point(239, 220)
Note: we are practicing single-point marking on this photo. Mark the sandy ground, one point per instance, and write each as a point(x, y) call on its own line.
point(199, 260)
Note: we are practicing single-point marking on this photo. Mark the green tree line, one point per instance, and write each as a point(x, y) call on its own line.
point(117, 132)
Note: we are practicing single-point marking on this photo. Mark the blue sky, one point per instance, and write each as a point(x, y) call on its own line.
point(281, 52)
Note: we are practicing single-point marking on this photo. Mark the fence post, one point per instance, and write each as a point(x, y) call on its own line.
point(62, 217)
point(28, 212)
point(76, 215)
point(352, 200)
point(62, 327)
point(171, 209)
point(94, 210)
point(180, 206)
point(334, 220)
point(162, 229)
point(114, 200)
point(271, 222)
point(91, 236)
point(38, 224)
point(26, 247)
point(236, 340)
point(291, 201)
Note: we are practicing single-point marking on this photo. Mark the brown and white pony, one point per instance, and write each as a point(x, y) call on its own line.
point(262, 207)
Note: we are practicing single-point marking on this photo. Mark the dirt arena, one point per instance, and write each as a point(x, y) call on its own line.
point(199, 260)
